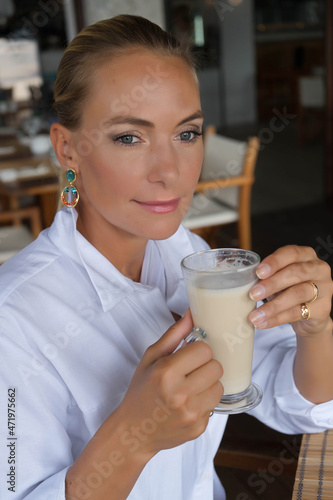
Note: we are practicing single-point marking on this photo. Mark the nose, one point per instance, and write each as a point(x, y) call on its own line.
point(164, 164)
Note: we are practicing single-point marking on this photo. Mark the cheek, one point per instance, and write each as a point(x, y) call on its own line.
point(193, 168)
point(106, 180)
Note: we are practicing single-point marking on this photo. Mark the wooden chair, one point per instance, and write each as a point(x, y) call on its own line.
point(14, 234)
point(223, 193)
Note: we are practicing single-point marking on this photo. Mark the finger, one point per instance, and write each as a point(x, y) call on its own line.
point(286, 316)
point(204, 377)
point(317, 271)
point(293, 315)
point(187, 360)
point(294, 295)
point(170, 340)
point(207, 400)
point(283, 257)
point(286, 308)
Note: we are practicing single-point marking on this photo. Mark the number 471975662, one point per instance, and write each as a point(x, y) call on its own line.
point(11, 411)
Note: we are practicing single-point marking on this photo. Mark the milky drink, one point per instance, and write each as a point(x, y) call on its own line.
point(223, 315)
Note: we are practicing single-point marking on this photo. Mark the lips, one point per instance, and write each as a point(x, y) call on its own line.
point(160, 207)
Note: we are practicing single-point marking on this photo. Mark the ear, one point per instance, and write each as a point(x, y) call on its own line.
point(62, 142)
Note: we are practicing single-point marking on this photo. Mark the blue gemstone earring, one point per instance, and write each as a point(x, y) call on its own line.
point(70, 195)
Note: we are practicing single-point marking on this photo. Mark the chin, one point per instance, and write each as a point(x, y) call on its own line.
point(163, 230)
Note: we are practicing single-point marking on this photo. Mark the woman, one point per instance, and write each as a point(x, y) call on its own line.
point(104, 407)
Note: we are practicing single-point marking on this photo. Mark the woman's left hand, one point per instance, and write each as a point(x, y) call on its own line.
point(286, 278)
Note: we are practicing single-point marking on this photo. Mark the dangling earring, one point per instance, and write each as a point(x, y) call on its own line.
point(70, 195)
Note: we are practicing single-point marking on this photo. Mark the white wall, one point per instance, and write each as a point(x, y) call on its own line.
point(103, 9)
point(238, 61)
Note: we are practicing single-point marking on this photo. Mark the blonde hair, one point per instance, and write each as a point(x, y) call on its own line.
point(93, 46)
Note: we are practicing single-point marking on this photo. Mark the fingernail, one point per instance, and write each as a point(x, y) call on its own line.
point(263, 271)
point(258, 317)
point(258, 292)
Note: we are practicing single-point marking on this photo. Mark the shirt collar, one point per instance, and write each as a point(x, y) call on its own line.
point(172, 251)
point(110, 285)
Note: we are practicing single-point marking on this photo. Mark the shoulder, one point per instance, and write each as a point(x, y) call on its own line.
point(41, 263)
point(35, 264)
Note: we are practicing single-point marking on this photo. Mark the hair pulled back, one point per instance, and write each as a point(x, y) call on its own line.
point(93, 46)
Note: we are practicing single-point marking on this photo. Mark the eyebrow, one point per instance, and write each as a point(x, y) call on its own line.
point(132, 120)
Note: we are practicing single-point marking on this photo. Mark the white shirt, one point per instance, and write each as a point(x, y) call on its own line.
point(72, 332)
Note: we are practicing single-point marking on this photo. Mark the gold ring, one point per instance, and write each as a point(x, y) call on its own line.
point(315, 291)
point(305, 311)
point(211, 414)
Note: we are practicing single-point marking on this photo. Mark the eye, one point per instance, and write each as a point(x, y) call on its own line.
point(127, 139)
point(189, 136)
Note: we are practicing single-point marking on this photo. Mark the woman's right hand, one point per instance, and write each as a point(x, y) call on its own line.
point(168, 402)
point(172, 393)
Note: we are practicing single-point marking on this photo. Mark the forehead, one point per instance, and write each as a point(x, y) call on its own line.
point(141, 80)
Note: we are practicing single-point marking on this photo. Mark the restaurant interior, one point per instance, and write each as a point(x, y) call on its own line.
point(266, 83)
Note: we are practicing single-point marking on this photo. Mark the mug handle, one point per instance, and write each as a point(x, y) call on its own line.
point(195, 335)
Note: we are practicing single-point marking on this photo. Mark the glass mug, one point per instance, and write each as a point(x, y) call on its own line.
point(217, 284)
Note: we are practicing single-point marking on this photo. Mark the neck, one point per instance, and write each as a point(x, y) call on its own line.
point(125, 251)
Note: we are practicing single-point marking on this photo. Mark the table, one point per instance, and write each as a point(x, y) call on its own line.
point(314, 475)
point(45, 187)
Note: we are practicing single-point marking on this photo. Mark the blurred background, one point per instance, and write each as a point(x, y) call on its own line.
point(266, 70)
